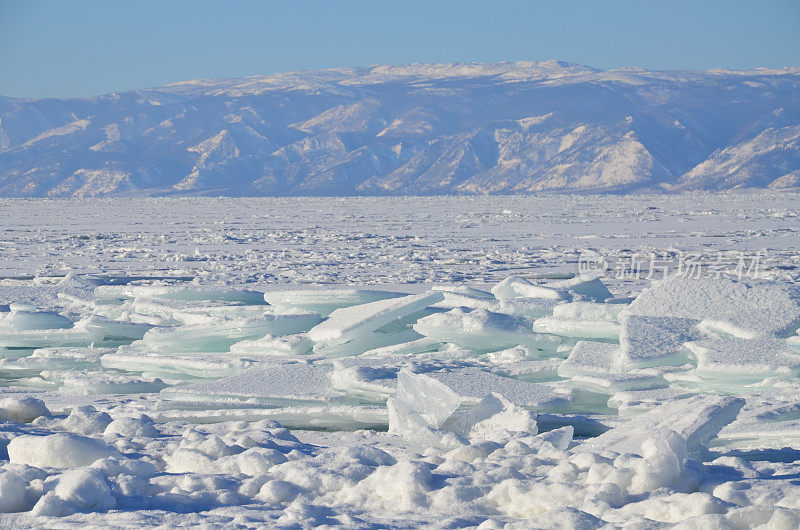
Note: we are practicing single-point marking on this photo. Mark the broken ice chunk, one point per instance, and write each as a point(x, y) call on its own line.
point(324, 301)
point(197, 312)
point(369, 379)
point(422, 397)
point(44, 338)
point(348, 323)
point(582, 320)
point(744, 361)
point(592, 311)
point(583, 288)
point(532, 371)
point(179, 292)
point(746, 309)
point(759, 436)
point(278, 385)
point(696, 419)
point(463, 290)
point(134, 358)
point(101, 382)
point(56, 359)
point(482, 330)
point(495, 419)
point(579, 287)
point(594, 365)
point(655, 340)
point(516, 287)
point(106, 329)
point(289, 345)
point(327, 417)
point(24, 317)
point(634, 402)
point(533, 307)
point(584, 329)
point(473, 384)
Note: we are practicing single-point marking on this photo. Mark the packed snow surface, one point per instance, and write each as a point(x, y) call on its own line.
point(409, 375)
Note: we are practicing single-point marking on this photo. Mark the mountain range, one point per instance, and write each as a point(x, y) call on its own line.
point(421, 129)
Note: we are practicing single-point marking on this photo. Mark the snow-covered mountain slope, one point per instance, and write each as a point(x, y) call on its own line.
point(523, 127)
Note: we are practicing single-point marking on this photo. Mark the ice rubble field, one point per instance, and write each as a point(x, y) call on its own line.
point(507, 395)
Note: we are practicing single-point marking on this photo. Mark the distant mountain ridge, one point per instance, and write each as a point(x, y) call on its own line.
point(524, 127)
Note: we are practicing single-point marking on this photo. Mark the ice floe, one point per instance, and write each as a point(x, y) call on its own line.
point(537, 403)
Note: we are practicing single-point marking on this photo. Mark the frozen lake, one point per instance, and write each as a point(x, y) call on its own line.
point(491, 362)
point(373, 241)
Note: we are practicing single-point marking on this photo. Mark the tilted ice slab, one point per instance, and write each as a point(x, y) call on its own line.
point(745, 360)
point(348, 323)
point(746, 309)
point(483, 330)
point(454, 295)
point(324, 301)
point(575, 288)
point(696, 419)
point(359, 344)
point(595, 365)
point(222, 336)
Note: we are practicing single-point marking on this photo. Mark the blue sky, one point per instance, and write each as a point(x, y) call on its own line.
point(88, 47)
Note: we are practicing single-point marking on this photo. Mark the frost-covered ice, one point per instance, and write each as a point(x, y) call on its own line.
point(494, 392)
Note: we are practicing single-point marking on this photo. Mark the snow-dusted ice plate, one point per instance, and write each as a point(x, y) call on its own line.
point(466, 378)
